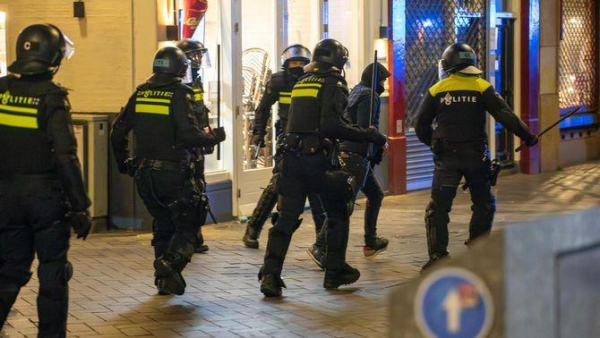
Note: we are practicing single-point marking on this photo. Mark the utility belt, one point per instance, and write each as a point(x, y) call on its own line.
point(165, 165)
point(440, 145)
point(38, 182)
point(306, 144)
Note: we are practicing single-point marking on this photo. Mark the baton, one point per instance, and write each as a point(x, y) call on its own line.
point(219, 97)
point(374, 82)
point(550, 127)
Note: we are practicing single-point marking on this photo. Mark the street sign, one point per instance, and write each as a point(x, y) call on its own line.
point(453, 303)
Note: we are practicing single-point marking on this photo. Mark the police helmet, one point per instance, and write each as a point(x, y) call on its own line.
point(170, 61)
point(332, 52)
point(40, 49)
point(460, 57)
point(195, 52)
point(295, 52)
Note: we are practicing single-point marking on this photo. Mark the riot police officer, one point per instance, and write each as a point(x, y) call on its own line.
point(359, 160)
point(161, 115)
point(196, 52)
point(458, 103)
point(41, 186)
point(279, 89)
point(310, 165)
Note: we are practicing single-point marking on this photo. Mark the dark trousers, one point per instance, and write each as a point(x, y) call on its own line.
point(268, 199)
point(303, 175)
point(359, 168)
point(452, 163)
point(171, 197)
point(32, 223)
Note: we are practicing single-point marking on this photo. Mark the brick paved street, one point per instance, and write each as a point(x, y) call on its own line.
point(112, 292)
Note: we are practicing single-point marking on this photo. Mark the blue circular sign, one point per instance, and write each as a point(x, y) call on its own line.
point(453, 303)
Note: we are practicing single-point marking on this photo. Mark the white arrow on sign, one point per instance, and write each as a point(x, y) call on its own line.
point(453, 308)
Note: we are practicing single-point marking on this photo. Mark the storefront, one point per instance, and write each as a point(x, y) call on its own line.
point(250, 36)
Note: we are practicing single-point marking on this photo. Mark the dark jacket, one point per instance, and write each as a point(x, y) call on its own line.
point(36, 134)
point(459, 105)
point(358, 111)
point(162, 117)
point(278, 89)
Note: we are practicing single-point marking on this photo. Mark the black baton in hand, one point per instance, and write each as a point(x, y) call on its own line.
point(550, 127)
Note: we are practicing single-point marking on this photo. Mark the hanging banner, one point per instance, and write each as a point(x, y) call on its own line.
point(193, 11)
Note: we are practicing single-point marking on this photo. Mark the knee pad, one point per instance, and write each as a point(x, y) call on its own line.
point(441, 198)
point(55, 273)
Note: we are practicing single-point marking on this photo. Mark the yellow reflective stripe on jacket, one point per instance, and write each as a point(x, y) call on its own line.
point(199, 97)
point(309, 85)
point(305, 93)
point(24, 110)
point(285, 97)
point(152, 109)
point(460, 83)
point(140, 99)
point(18, 121)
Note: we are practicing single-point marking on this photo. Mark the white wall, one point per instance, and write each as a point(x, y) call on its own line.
point(99, 74)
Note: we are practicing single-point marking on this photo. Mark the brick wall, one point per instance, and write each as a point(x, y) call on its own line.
point(100, 73)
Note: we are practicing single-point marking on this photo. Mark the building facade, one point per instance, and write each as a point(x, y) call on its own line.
point(542, 59)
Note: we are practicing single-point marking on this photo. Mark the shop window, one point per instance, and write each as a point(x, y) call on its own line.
point(259, 61)
point(342, 23)
point(3, 43)
point(303, 22)
point(578, 65)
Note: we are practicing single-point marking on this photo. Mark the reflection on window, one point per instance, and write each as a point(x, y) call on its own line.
point(2, 43)
point(578, 65)
point(207, 33)
point(256, 72)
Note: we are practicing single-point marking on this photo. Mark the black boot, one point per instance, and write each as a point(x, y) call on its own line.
point(169, 266)
point(161, 285)
point(434, 258)
point(270, 285)
point(376, 246)
point(318, 254)
point(251, 237)
point(344, 276)
point(201, 247)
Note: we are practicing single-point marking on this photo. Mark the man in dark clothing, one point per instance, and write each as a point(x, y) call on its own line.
point(459, 104)
point(359, 162)
point(278, 90)
point(196, 53)
point(42, 194)
point(161, 115)
point(310, 165)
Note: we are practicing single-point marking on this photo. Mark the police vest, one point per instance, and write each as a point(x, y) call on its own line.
point(25, 148)
point(154, 130)
point(305, 110)
point(283, 85)
point(460, 107)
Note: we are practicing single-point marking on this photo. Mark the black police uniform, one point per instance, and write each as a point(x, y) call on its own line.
point(201, 112)
point(278, 89)
point(40, 182)
point(161, 114)
point(459, 142)
point(310, 165)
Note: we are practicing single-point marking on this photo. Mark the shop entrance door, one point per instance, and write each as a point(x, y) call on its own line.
point(260, 41)
point(504, 140)
point(3, 39)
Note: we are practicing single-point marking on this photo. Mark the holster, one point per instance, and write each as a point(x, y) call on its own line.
point(308, 144)
point(495, 169)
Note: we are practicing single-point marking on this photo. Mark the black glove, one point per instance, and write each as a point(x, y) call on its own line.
point(376, 137)
point(258, 140)
point(378, 156)
point(81, 223)
point(533, 140)
point(219, 134)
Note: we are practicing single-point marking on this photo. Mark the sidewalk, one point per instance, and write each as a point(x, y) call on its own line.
point(112, 291)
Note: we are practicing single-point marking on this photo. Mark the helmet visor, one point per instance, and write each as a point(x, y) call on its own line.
point(442, 74)
point(199, 58)
point(296, 53)
point(69, 49)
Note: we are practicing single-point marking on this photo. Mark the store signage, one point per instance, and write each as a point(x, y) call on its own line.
point(194, 11)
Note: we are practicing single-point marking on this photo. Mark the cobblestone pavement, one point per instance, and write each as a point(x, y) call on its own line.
point(112, 292)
